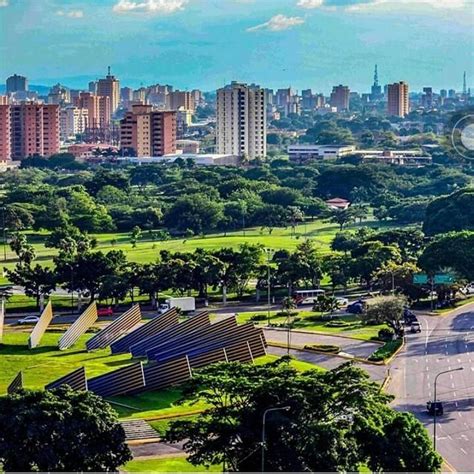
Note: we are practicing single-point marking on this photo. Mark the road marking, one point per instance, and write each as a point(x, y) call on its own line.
point(463, 450)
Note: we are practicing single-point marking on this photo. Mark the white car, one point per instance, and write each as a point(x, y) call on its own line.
point(469, 289)
point(342, 302)
point(28, 320)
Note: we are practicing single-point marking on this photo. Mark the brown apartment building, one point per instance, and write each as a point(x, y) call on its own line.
point(149, 132)
point(397, 101)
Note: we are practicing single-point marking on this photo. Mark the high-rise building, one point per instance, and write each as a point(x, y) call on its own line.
point(452, 94)
point(283, 97)
point(5, 133)
point(73, 121)
point(59, 94)
point(376, 89)
point(16, 83)
point(126, 95)
point(427, 98)
point(149, 132)
point(110, 87)
point(98, 109)
point(397, 103)
point(340, 97)
point(443, 93)
point(178, 99)
point(34, 130)
point(93, 87)
point(241, 127)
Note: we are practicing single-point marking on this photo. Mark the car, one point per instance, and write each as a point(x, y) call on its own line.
point(28, 320)
point(342, 301)
point(409, 317)
point(468, 289)
point(435, 408)
point(415, 327)
point(105, 311)
point(356, 308)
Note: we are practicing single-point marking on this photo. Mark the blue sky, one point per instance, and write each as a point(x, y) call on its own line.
point(205, 43)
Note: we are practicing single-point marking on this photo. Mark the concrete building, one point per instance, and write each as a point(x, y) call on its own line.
point(188, 146)
point(5, 133)
point(180, 99)
point(73, 121)
point(16, 83)
point(34, 130)
point(397, 99)
point(149, 132)
point(241, 127)
point(302, 153)
point(110, 87)
point(208, 159)
point(59, 94)
point(98, 109)
point(340, 98)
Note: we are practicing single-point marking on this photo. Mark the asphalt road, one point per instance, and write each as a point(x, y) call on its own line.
point(352, 347)
point(445, 343)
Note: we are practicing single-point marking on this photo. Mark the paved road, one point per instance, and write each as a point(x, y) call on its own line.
point(446, 342)
point(350, 346)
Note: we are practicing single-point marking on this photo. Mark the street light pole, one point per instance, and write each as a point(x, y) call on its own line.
point(4, 235)
point(269, 302)
point(268, 410)
point(434, 411)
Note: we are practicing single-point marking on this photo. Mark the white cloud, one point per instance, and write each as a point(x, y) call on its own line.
point(3, 3)
point(149, 6)
point(278, 23)
point(71, 13)
point(310, 3)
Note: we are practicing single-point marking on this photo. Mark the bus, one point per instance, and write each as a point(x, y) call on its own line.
point(307, 296)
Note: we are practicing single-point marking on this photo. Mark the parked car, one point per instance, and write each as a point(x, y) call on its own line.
point(409, 317)
point(356, 308)
point(435, 408)
point(105, 311)
point(468, 289)
point(28, 320)
point(415, 327)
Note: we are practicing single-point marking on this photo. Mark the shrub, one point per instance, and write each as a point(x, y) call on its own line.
point(338, 324)
point(258, 317)
point(329, 348)
point(387, 350)
point(386, 334)
point(286, 313)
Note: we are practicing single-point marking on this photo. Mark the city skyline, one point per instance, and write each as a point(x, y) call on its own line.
point(207, 43)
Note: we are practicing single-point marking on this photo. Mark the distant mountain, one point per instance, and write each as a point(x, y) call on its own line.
point(41, 90)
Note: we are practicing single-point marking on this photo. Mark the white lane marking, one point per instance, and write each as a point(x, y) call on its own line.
point(463, 450)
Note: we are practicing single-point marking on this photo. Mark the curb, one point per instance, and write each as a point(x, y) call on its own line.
point(321, 333)
point(387, 361)
point(329, 354)
point(385, 382)
point(138, 442)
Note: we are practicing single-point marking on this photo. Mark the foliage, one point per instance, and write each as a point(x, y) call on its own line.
point(386, 351)
point(386, 309)
point(60, 430)
point(323, 348)
point(336, 421)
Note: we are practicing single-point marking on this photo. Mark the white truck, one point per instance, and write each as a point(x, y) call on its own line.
point(185, 304)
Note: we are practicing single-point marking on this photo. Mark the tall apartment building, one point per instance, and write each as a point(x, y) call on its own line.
point(34, 130)
point(73, 121)
point(177, 99)
point(397, 99)
point(98, 109)
point(340, 97)
point(149, 132)
point(16, 83)
point(5, 133)
point(110, 87)
point(241, 127)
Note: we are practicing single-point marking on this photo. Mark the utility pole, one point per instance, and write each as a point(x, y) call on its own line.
point(265, 413)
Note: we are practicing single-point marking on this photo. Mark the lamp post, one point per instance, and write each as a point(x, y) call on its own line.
point(269, 302)
point(4, 235)
point(434, 411)
point(265, 413)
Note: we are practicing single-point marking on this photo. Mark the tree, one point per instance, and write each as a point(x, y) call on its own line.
point(326, 304)
point(135, 236)
point(342, 217)
point(338, 268)
point(455, 250)
point(386, 309)
point(336, 420)
point(38, 282)
point(60, 430)
point(24, 251)
point(450, 213)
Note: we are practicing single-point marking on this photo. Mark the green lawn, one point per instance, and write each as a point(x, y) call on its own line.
point(46, 363)
point(355, 327)
point(172, 464)
point(320, 232)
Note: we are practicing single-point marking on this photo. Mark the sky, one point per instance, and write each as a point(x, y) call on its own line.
point(207, 43)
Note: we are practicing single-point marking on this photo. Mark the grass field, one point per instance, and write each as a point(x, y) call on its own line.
point(171, 464)
point(46, 363)
point(309, 321)
point(321, 233)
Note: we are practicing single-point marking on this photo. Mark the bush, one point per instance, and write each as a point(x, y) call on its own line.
point(386, 334)
point(258, 317)
point(387, 350)
point(329, 348)
point(338, 324)
point(285, 313)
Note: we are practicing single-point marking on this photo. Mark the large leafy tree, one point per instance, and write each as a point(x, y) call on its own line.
point(60, 430)
point(335, 421)
point(386, 309)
